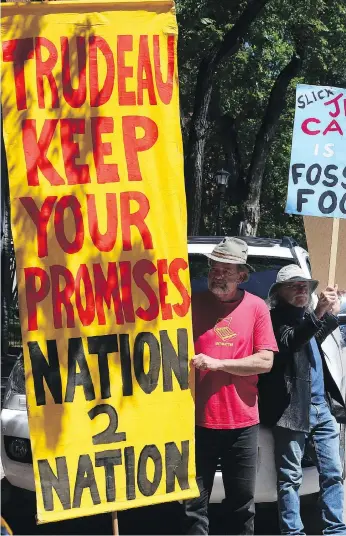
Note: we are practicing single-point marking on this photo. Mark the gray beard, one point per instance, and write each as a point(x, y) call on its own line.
point(214, 286)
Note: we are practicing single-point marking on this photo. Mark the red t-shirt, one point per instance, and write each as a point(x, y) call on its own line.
point(229, 331)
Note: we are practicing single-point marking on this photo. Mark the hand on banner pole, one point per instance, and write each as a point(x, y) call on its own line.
point(328, 301)
point(204, 362)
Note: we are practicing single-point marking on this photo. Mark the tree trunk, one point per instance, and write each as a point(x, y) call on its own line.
point(250, 215)
point(194, 156)
point(196, 145)
point(233, 160)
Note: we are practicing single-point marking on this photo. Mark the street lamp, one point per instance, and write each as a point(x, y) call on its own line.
point(221, 177)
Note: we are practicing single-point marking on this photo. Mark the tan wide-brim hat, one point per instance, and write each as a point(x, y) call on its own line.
point(232, 251)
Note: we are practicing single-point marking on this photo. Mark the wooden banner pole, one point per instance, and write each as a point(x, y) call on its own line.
point(115, 525)
point(333, 252)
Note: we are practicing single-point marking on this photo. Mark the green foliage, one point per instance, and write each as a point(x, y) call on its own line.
point(243, 84)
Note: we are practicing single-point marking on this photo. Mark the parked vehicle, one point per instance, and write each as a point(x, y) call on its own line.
point(342, 318)
point(267, 256)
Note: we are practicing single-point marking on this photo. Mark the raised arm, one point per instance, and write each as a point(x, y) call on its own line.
point(319, 323)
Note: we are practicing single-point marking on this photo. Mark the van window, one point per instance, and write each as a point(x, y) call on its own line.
point(259, 283)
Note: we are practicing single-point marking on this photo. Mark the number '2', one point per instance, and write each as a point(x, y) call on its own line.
point(110, 434)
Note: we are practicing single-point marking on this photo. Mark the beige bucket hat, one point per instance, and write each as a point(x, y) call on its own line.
point(292, 273)
point(230, 250)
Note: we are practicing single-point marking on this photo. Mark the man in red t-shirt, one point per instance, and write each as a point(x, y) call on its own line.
point(234, 342)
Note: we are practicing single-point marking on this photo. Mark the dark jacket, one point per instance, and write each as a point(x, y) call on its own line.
point(285, 392)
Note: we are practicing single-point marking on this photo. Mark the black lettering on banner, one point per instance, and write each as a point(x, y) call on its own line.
point(173, 361)
point(110, 434)
point(125, 359)
point(301, 199)
point(146, 486)
point(129, 453)
point(342, 204)
point(59, 483)
point(108, 459)
point(301, 102)
point(177, 465)
point(333, 178)
point(309, 179)
point(85, 478)
point(102, 346)
point(333, 202)
point(344, 175)
point(50, 371)
point(147, 382)
point(295, 173)
point(74, 378)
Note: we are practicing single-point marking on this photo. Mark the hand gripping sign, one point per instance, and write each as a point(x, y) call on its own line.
point(93, 145)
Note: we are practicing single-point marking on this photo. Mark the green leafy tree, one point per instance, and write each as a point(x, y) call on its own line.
point(248, 102)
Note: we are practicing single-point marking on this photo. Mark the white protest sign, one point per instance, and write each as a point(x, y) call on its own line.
point(317, 178)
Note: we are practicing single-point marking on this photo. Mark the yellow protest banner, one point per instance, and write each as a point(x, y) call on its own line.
point(93, 143)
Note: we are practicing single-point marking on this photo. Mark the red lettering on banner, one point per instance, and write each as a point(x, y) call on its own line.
point(100, 96)
point(306, 129)
point(140, 269)
point(181, 309)
point(103, 241)
point(164, 89)
point(75, 173)
point(333, 127)
point(125, 44)
point(40, 217)
point(61, 297)
point(166, 308)
point(113, 290)
point(335, 101)
point(149, 74)
point(107, 290)
point(87, 313)
point(18, 51)
point(105, 172)
point(126, 291)
point(34, 295)
point(134, 145)
point(72, 203)
point(74, 97)
point(135, 219)
point(44, 69)
point(144, 72)
point(35, 151)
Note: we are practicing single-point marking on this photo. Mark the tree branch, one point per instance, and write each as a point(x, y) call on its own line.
point(194, 158)
point(254, 179)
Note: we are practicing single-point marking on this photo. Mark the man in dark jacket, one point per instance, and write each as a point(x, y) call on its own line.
point(300, 399)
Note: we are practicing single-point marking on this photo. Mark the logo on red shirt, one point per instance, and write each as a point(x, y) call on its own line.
point(224, 331)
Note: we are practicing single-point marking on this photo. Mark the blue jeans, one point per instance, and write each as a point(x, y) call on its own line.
point(289, 451)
